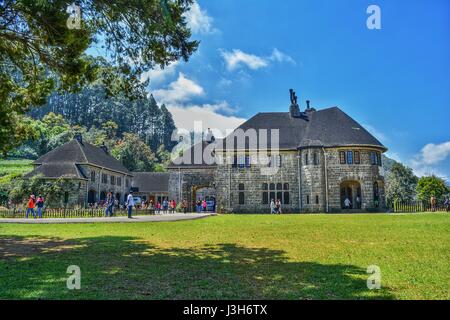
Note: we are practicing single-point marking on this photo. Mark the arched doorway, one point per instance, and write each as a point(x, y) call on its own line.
point(92, 196)
point(205, 193)
point(351, 190)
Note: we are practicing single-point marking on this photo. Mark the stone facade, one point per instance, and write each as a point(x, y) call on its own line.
point(101, 181)
point(307, 180)
point(93, 189)
point(184, 183)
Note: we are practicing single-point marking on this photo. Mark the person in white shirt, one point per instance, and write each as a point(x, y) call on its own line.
point(272, 206)
point(130, 204)
point(347, 203)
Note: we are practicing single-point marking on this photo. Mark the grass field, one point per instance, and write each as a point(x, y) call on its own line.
point(231, 257)
point(10, 169)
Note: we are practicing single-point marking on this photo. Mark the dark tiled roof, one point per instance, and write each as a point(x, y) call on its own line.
point(151, 181)
point(64, 161)
point(329, 127)
point(58, 170)
point(76, 153)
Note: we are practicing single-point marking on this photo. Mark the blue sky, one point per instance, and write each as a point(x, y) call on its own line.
point(394, 81)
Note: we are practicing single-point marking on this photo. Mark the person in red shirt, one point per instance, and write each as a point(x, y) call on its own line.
point(204, 205)
point(174, 206)
point(31, 205)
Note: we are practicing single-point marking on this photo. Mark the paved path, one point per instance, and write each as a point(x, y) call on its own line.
point(149, 218)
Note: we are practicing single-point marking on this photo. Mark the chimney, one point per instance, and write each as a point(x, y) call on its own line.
point(294, 109)
point(308, 107)
point(78, 137)
point(104, 148)
point(209, 136)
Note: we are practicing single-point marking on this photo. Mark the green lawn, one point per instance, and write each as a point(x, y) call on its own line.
point(231, 257)
point(10, 169)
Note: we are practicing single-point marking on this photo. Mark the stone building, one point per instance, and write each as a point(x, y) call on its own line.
point(151, 186)
point(92, 169)
point(311, 161)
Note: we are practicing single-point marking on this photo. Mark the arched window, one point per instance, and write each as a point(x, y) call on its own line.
point(241, 193)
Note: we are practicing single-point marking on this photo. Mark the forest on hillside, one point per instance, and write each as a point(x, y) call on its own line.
point(137, 132)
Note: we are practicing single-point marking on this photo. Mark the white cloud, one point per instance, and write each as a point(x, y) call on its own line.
point(237, 58)
point(180, 90)
point(184, 117)
point(434, 153)
point(431, 154)
point(198, 20)
point(279, 56)
point(158, 75)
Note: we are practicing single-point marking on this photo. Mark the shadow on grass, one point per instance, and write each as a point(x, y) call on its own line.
point(128, 268)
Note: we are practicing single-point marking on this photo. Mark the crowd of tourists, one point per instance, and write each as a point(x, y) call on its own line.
point(36, 206)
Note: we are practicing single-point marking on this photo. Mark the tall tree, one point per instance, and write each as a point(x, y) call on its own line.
point(167, 129)
point(134, 153)
point(400, 183)
point(42, 48)
point(433, 186)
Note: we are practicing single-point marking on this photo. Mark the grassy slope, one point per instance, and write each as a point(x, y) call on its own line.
point(235, 256)
point(13, 168)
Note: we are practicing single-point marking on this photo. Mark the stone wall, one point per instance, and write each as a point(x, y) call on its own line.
point(315, 175)
point(184, 182)
point(365, 173)
point(98, 186)
point(228, 179)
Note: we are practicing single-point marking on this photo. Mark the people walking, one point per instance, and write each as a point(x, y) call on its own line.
point(31, 206)
point(173, 206)
point(347, 204)
point(40, 205)
point(109, 205)
point(433, 203)
point(278, 206)
point(165, 206)
point(184, 206)
point(130, 204)
point(447, 204)
point(358, 202)
point(204, 205)
point(272, 206)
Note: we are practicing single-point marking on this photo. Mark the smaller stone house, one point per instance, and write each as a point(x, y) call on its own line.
point(92, 169)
